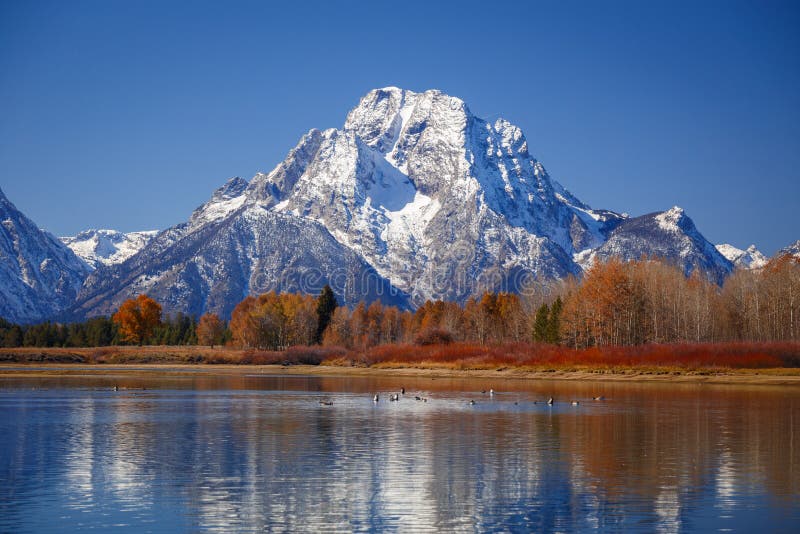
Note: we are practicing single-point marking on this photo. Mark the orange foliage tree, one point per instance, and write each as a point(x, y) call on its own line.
point(210, 330)
point(137, 318)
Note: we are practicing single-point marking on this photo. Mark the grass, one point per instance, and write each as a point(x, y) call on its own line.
point(647, 359)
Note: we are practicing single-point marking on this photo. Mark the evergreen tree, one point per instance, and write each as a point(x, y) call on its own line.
point(13, 336)
point(554, 324)
point(326, 305)
point(541, 324)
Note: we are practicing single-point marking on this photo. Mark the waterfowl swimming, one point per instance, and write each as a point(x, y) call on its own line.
point(116, 388)
point(325, 403)
point(375, 398)
point(471, 402)
point(394, 397)
point(403, 391)
point(576, 403)
point(491, 393)
point(550, 401)
point(599, 398)
point(417, 397)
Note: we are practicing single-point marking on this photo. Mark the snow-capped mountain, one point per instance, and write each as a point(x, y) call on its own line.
point(228, 250)
point(39, 275)
point(669, 235)
point(793, 250)
point(415, 190)
point(751, 258)
point(414, 198)
point(107, 247)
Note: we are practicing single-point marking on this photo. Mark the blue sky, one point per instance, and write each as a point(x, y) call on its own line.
point(128, 115)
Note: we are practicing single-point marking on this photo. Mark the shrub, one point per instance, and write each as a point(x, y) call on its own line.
point(434, 336)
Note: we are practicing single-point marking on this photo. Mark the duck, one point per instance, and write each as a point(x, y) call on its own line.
point(325, 403)
point(375, 398)
point(394, 397)
point(472, 403)
point(550, 401)
point(417, 397)
point(599, 398)
point(576, 403)
point(403, 391)
point(116, 388)
point(491, 393)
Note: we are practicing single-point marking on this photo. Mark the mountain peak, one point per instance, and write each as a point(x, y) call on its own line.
point(231, 189)
point(751, 258)
point(107, 247)
point(413, 189)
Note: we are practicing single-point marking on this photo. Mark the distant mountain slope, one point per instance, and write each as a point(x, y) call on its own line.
point(793, 249)
point(670, 235)
point(107, 247)
point(39, 275)
point(752, 258)
point(227, 251)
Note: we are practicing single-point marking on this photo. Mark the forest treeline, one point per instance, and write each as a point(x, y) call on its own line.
point(613, 304)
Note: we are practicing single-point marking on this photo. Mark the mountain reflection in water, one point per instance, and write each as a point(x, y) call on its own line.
point(241, 453)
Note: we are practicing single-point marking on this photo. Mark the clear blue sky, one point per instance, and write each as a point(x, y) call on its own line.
point(127, 115)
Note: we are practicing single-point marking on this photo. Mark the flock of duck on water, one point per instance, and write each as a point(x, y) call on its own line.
point(395, 397)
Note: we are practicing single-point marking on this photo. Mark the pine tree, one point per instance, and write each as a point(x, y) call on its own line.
point(541, 324)
point(554, 324)
point(326, 305)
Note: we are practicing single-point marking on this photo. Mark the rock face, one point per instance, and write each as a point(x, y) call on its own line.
point(752, 258)
point(39, 275)
point(414, 198)
point(107, 247)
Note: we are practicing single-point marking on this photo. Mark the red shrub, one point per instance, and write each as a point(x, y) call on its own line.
point(434, 336)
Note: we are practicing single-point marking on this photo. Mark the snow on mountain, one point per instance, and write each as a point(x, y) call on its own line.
point(793, 249)
point(751, 258)
point(670, 235)
point(414, 198)
point(211, 262)
point(107, 247)
point(440, 202)
point(39, 275)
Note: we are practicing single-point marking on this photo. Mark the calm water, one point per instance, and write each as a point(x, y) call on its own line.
point(246, 453)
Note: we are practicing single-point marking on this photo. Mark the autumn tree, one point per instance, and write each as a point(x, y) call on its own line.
point(137, 318)
point(339, 333)
point(210, 330)
point(274, 321)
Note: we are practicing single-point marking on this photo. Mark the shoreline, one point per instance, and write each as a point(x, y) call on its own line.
point(744, 377)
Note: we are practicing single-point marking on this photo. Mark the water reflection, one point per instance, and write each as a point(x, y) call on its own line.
point(260, 453)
